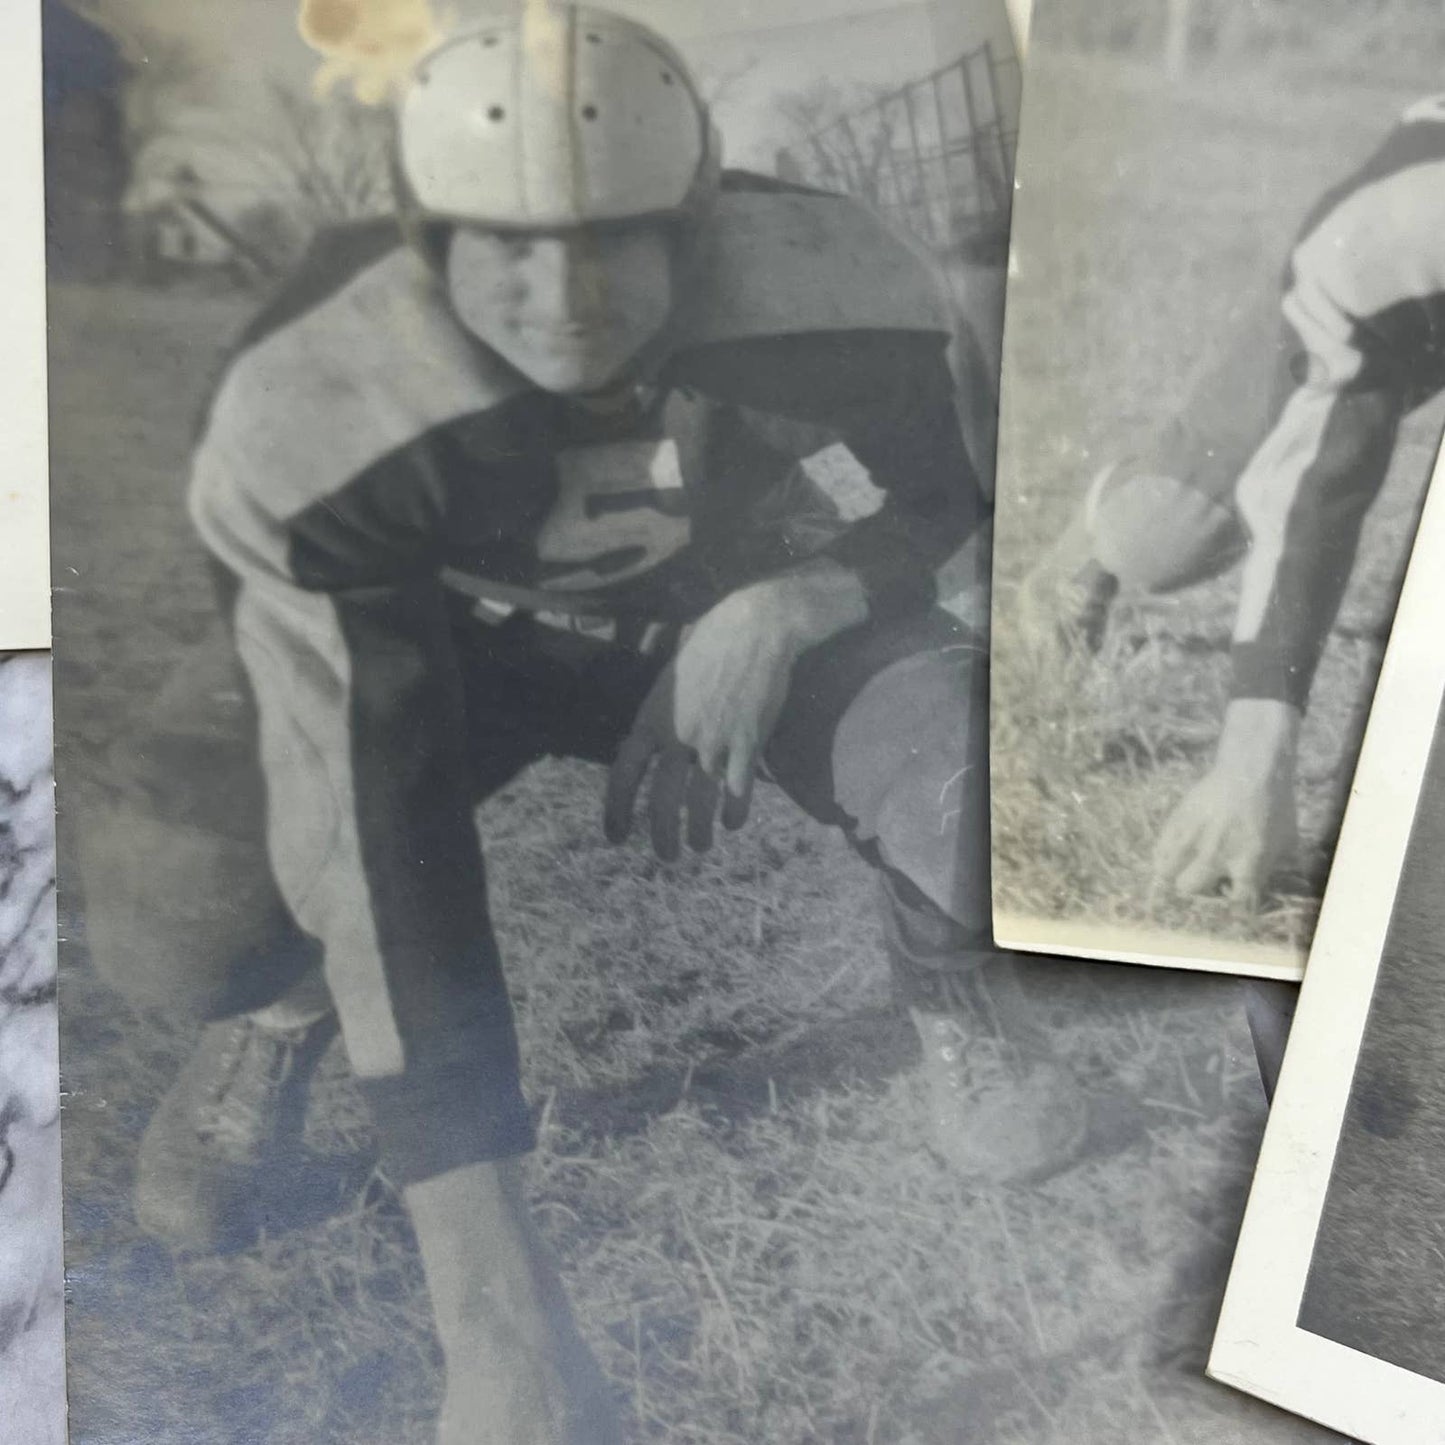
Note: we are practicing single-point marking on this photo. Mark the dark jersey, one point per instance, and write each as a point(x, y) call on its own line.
point(1364, 301)
point(364, 454)
point(389, 443)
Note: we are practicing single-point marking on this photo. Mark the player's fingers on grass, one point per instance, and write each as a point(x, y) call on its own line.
point(1246, 877)
point(623, 783)
point(736, 806)
point(1246, 892)
point(1176, 840)
point(1205, 868)
point(702, 793)
point(1188, 855)
point(675, 765)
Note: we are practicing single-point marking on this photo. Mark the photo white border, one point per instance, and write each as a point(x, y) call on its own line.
point(1075, 938)
point(1259, 1347)
point(24, 419)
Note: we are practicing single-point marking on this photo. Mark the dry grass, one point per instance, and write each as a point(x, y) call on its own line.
point(1143, 228)
point(733, 1167)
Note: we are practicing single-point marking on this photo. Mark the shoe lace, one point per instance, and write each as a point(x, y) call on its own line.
point(973, 1063)
point(252, 1069)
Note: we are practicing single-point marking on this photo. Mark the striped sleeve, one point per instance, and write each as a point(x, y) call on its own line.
point(309, 490)
point(1364, 307)
point(888, 395)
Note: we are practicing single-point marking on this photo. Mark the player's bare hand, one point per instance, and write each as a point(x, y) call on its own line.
point(733, 672)
point(703, 727)
point(1236, 827)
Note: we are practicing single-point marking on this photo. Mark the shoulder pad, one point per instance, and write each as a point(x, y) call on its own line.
point(778, 263)
point(317, 400)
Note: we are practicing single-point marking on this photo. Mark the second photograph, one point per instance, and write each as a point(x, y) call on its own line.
point(1219, 413)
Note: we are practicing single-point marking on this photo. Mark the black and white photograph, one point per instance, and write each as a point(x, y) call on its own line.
point(1333, 1306)
point(1219, 411)
point(522, 484)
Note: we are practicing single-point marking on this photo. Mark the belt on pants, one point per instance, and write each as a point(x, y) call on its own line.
point(494, 603)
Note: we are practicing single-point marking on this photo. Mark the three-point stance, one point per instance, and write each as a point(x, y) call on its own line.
point(523, 475)
point(1282, 478)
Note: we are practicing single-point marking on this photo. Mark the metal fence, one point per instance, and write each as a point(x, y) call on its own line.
point(935, 156)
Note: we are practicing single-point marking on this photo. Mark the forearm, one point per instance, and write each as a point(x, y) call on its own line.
point(816, 600)
point(900, 554)
point(1304, 497)
point(1260, 738)
point(912, 446)
point(806, 605)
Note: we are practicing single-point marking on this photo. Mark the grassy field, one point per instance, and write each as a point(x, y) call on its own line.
point(732, 1168)
point(1144, 216)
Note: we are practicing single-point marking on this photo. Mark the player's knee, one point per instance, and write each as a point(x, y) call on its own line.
point(932, 829)
point(182, 921)
point(1158, 533)
point(910, 772)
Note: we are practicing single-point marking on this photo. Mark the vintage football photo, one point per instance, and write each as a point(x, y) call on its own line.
point(522, 493)
point(1220, 408)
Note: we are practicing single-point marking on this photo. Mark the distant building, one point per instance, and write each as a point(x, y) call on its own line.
point(174, 229)
point(86, 168)
point(114, 206)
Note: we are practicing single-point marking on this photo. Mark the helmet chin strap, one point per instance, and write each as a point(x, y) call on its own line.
point(617, 397)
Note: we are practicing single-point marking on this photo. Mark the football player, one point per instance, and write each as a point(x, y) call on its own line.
point(522, 474)
point(1281, 478)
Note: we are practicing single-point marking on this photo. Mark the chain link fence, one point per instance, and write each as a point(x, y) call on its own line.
point(935, 156)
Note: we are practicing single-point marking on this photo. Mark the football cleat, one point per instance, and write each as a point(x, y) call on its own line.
point(212, 1158)
point(995, 1118)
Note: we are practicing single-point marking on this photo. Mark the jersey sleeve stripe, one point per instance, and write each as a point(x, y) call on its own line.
point(289, 428)
point(1304, 498)
point(1414, 142)
point(296, 656)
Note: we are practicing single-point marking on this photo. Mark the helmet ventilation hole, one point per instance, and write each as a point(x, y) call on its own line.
point(488, 41)
point(496, 113)
point(667, 77)
point(593, 38)
point(589, 112)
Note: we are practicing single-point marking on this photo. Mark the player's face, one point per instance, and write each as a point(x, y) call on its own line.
point(568, 309)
